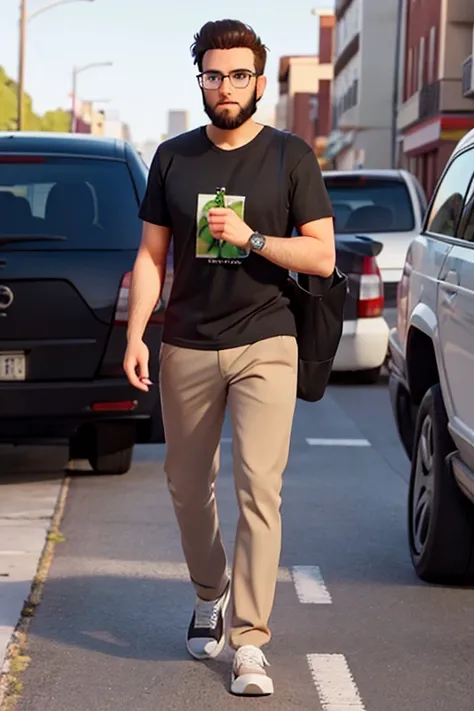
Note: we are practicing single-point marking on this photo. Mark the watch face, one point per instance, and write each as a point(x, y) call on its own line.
point(257, 241)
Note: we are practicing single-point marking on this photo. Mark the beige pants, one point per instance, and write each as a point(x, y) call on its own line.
point(258, 382)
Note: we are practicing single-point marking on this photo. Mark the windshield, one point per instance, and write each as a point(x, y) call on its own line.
point(370, 205)
point(91, 203)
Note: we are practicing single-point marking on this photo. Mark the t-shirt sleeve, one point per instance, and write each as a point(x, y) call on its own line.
point(153, 207)
point(309, 196)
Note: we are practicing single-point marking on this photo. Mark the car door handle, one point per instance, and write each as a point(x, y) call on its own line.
point(452, 277)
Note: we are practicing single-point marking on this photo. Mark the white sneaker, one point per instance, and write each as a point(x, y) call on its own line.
point(249, 677)
point(206, 636)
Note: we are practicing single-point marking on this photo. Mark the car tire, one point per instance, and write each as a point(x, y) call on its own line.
point(440, 517)
point(111, 448)
point(370, 376)
point(405, 419)
point(116, 463)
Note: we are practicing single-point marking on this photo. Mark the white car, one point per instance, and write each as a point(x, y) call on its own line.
point(431, 368)
point(388, 205)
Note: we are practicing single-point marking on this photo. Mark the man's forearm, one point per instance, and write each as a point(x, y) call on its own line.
point(306, 255)
point(146, 286)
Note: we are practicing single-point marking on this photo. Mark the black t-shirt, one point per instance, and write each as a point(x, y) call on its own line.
point(220, 297)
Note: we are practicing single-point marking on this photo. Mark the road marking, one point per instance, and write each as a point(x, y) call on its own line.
point(154, 570)
point(310, 586)
point(333, 679)
point(314, 442)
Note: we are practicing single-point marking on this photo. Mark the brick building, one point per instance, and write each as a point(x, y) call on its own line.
point(304, 105)
point(437, 105)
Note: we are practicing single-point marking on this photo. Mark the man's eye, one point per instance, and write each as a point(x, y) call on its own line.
point(241, 75)
point(213, 77)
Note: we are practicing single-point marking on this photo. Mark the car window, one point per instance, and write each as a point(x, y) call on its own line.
point(370, 205)
point(466, 223)
point(91, 202)
point(447, 204)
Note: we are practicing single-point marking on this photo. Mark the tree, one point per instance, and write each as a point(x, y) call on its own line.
point(57, 120)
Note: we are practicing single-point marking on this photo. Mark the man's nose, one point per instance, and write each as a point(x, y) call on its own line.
point(225, 87)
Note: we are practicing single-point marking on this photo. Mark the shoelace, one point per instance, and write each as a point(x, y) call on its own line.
point(207, 615)
point(250, 656)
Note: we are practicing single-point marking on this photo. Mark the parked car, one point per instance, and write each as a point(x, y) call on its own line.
point(431, 378)
point(69, 233)
point(364, 342)
point(388, 205)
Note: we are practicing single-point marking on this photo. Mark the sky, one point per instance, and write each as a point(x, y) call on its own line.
point(148, 43)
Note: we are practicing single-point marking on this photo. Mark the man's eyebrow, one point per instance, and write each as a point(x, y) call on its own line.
point(219, 71)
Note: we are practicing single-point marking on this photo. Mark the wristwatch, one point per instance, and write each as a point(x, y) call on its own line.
point(257, 241)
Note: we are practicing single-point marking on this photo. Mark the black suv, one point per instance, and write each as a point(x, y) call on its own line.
point(69, 233)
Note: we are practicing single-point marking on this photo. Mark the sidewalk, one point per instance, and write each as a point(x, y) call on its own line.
point(30, 483)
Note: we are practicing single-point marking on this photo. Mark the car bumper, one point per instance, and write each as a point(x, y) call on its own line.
point(58, 407)
point(363, 345)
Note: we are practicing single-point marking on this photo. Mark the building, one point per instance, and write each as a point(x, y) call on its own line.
point(304, 103)
point(88, 119)
point(266, 114)
point(178, 122)
point(114, 127)
point(364, 70)
point(437, 92)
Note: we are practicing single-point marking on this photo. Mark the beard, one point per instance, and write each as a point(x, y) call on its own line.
point(226, 122)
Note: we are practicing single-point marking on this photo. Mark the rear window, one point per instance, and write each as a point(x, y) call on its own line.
point(90, 202)
point(363, 204)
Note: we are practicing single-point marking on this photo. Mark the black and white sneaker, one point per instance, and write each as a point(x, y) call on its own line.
point(206, 634)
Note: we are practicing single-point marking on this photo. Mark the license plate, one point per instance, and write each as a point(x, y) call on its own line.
point(12, 366)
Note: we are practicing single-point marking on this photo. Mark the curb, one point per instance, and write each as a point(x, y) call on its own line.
point(16, 661)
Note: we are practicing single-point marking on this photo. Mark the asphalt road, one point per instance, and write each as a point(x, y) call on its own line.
point(353, 628)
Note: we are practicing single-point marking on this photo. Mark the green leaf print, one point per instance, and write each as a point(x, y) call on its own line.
point(230, 251)
point(238, 208)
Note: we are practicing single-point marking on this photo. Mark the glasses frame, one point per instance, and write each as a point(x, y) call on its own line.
point(200, 78)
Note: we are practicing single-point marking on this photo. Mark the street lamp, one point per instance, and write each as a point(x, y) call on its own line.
point(25, 17)
point(75, 72)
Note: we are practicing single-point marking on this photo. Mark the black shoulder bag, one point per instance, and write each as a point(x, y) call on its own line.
point(317, 304)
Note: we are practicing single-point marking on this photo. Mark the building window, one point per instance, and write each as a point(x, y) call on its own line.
point(431, 56)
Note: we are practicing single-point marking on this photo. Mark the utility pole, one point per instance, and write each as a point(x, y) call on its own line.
point(21, 65)
point(75, 72)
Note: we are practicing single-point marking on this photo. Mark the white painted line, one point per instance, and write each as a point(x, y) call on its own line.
point(310, 586)
point(314, 442)
point(333, 679)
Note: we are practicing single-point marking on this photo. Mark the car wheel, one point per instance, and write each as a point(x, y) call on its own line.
point(111, 448)
point(440, 518)
point(405, 419)
point(369, 377)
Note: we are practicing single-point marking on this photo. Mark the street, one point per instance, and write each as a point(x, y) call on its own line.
point(353, 628)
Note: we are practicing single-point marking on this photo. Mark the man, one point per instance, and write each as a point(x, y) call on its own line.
point(230, 194)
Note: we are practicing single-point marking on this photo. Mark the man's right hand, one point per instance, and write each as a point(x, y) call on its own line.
point(135, 364)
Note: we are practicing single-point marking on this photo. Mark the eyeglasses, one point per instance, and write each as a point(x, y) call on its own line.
point(239, 78)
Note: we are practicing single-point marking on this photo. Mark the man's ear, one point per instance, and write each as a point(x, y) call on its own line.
point(261, 86)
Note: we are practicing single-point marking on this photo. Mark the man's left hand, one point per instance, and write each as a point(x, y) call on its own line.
point(225, 224)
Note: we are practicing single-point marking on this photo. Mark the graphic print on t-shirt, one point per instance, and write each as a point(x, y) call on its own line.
point(207, 246)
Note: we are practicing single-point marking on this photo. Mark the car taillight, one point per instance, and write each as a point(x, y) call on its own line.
point(121, 311)
point(371, 297)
